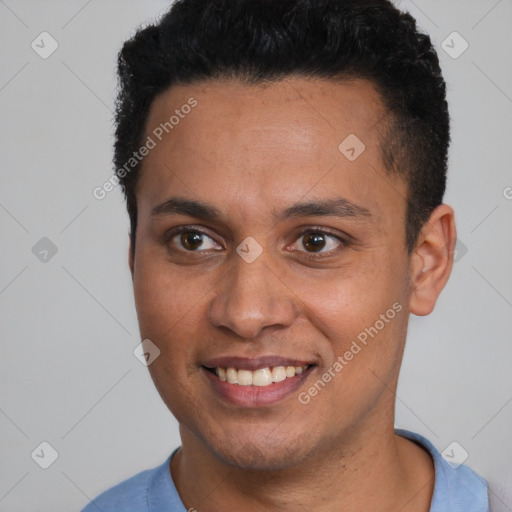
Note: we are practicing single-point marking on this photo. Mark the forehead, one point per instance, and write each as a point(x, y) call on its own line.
point(272, 143)
point(319, 105)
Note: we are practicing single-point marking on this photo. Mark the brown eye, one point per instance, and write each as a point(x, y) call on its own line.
point(318, 241)
point(314, 242)
point(185, 239)
point(191, 240)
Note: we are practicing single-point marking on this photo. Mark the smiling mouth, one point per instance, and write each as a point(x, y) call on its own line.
point(261, 377)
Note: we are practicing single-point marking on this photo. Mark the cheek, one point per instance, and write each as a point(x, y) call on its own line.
point(362, 320)
point(343, 302)
point(168, 305)
point(171, 309)
point(165, 300)
point(363, 325)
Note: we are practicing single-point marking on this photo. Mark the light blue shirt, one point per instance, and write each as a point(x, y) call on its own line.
point(455, 489)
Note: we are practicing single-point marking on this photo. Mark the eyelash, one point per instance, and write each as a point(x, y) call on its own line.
point(320, 255)
point(169, 235)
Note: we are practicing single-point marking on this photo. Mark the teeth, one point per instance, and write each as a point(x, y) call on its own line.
point(278, 373)
point(244, 377)
point(232, 376)
point(261, 377)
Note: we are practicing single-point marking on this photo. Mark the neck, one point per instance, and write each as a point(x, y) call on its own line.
point(375, 471)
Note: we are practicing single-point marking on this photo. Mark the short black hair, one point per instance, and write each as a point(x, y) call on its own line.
point(258, 41)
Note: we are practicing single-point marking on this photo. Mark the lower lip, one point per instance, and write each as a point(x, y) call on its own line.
point(257, 396)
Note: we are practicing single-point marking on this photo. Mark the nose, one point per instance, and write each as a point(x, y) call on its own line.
point(252, 297)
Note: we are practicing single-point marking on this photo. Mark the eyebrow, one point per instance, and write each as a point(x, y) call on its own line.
point(179, 206)
point(338, 207)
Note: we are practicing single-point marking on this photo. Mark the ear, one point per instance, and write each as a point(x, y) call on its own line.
point(432, 260)
point(131, 262)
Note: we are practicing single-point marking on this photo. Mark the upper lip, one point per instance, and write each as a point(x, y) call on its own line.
point(253, 363)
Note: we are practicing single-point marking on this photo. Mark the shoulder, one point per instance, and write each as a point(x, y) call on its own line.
point(457, 487)
point(133, 494)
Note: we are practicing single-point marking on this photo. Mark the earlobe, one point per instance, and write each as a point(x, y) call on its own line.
point(432, 260)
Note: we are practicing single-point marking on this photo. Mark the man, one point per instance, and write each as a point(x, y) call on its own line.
point(284, 164)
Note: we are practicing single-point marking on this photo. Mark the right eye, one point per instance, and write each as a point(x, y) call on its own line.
point(191, 240)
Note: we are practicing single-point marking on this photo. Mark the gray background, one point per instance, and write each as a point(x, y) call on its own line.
point(68, 375)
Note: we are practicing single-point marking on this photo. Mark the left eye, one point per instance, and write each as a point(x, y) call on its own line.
point(318, 241)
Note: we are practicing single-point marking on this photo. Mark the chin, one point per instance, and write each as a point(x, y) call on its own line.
point(261, 454)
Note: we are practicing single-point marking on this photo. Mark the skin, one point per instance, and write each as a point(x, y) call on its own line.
point(250, 151)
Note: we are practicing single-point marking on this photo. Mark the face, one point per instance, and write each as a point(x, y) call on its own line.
point(262, 246)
